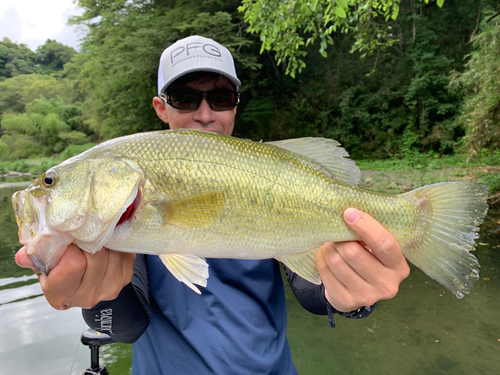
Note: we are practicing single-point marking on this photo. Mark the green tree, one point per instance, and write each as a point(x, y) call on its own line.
point(368, 111)
point(288, 27)
point(47, 127)
point(18, 91)
point(51, 56)
point(480, 84)
point(431, 106)
point(15, 59)
point(341, 96)
point(72, 71)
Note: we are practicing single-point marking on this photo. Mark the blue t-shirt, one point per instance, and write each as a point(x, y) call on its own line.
point(236, 326)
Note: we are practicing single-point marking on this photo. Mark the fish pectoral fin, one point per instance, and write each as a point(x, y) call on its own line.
point(304, 265)
point(188, 269)
point(197, 211)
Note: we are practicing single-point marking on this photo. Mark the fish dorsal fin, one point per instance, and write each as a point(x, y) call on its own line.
point(193, 212)
point(327, 154)
point(188, 269)
point(304, 265)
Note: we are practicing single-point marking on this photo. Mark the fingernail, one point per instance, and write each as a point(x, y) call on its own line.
point(351, 214)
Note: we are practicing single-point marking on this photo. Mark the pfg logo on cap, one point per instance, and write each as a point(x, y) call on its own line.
point(192, 50)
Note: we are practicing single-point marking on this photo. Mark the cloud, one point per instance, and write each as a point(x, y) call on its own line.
point(33, 22)
point(69, 36)
point(10, 25)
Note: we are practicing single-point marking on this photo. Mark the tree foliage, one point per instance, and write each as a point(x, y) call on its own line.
point(399, 109)
point(15, 59)
point(47, 127)
point(18, 91)
point(51, 56)
point(372, 112)
point(480, 82)
point(288, 27)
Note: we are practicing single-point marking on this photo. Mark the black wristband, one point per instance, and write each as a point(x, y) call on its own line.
point(361, 312)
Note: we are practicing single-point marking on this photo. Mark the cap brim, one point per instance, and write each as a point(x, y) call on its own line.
point(234, 80)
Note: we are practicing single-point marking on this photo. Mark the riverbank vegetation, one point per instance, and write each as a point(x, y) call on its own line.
point(408, 85)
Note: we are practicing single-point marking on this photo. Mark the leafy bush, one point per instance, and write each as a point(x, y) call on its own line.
point(43, 130)
point(75, 150)
point(14, 166)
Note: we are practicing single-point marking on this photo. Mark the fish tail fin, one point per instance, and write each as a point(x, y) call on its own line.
point(451, 214)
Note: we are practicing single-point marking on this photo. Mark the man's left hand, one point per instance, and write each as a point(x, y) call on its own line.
point(357, 274)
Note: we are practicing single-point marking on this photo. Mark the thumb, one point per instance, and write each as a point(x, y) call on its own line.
point(24, 260)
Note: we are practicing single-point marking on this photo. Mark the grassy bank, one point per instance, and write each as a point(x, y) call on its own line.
point(397, 176)
point(40, 165)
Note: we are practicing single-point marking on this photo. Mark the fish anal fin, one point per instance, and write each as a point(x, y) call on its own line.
point(304, 265)
point(196, 211)
point(188, 269)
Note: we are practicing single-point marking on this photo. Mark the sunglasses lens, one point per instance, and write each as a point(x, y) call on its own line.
point(221, 99)
point(190, 99)
point(185, 99)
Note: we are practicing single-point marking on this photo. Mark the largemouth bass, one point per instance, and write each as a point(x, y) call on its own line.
point(187, 194)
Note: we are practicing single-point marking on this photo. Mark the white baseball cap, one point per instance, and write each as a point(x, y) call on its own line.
point(195, 54)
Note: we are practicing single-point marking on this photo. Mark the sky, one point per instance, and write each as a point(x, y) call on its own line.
point(32, 22)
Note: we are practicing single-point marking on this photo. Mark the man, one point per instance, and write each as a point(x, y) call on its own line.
point(238, 324)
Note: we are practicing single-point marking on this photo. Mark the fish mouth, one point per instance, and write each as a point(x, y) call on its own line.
point(40, 266)
point(18, 199)
point(44, 245)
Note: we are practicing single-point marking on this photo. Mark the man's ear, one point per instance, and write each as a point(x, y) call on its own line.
point(160, 109)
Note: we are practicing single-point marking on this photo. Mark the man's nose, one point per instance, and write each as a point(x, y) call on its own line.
point(204, 113)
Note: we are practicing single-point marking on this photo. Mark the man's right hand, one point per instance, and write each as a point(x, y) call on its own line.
point(81, 279)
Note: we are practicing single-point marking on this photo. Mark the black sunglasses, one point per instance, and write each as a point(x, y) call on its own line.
point(190, 99)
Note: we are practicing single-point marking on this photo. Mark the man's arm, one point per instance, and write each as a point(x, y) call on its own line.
point(126, 317)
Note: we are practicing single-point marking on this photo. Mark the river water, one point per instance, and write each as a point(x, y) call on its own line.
point(424, 330)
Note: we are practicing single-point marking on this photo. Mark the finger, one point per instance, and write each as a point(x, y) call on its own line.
point(376, 237)
point(64, 280)
point(345, 290)
point(337, 269)
point(330, 281)
point(23, 259)
point(363, 263)
point(370, 282)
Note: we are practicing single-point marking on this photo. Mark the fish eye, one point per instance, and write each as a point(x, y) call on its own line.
point(49, 180)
